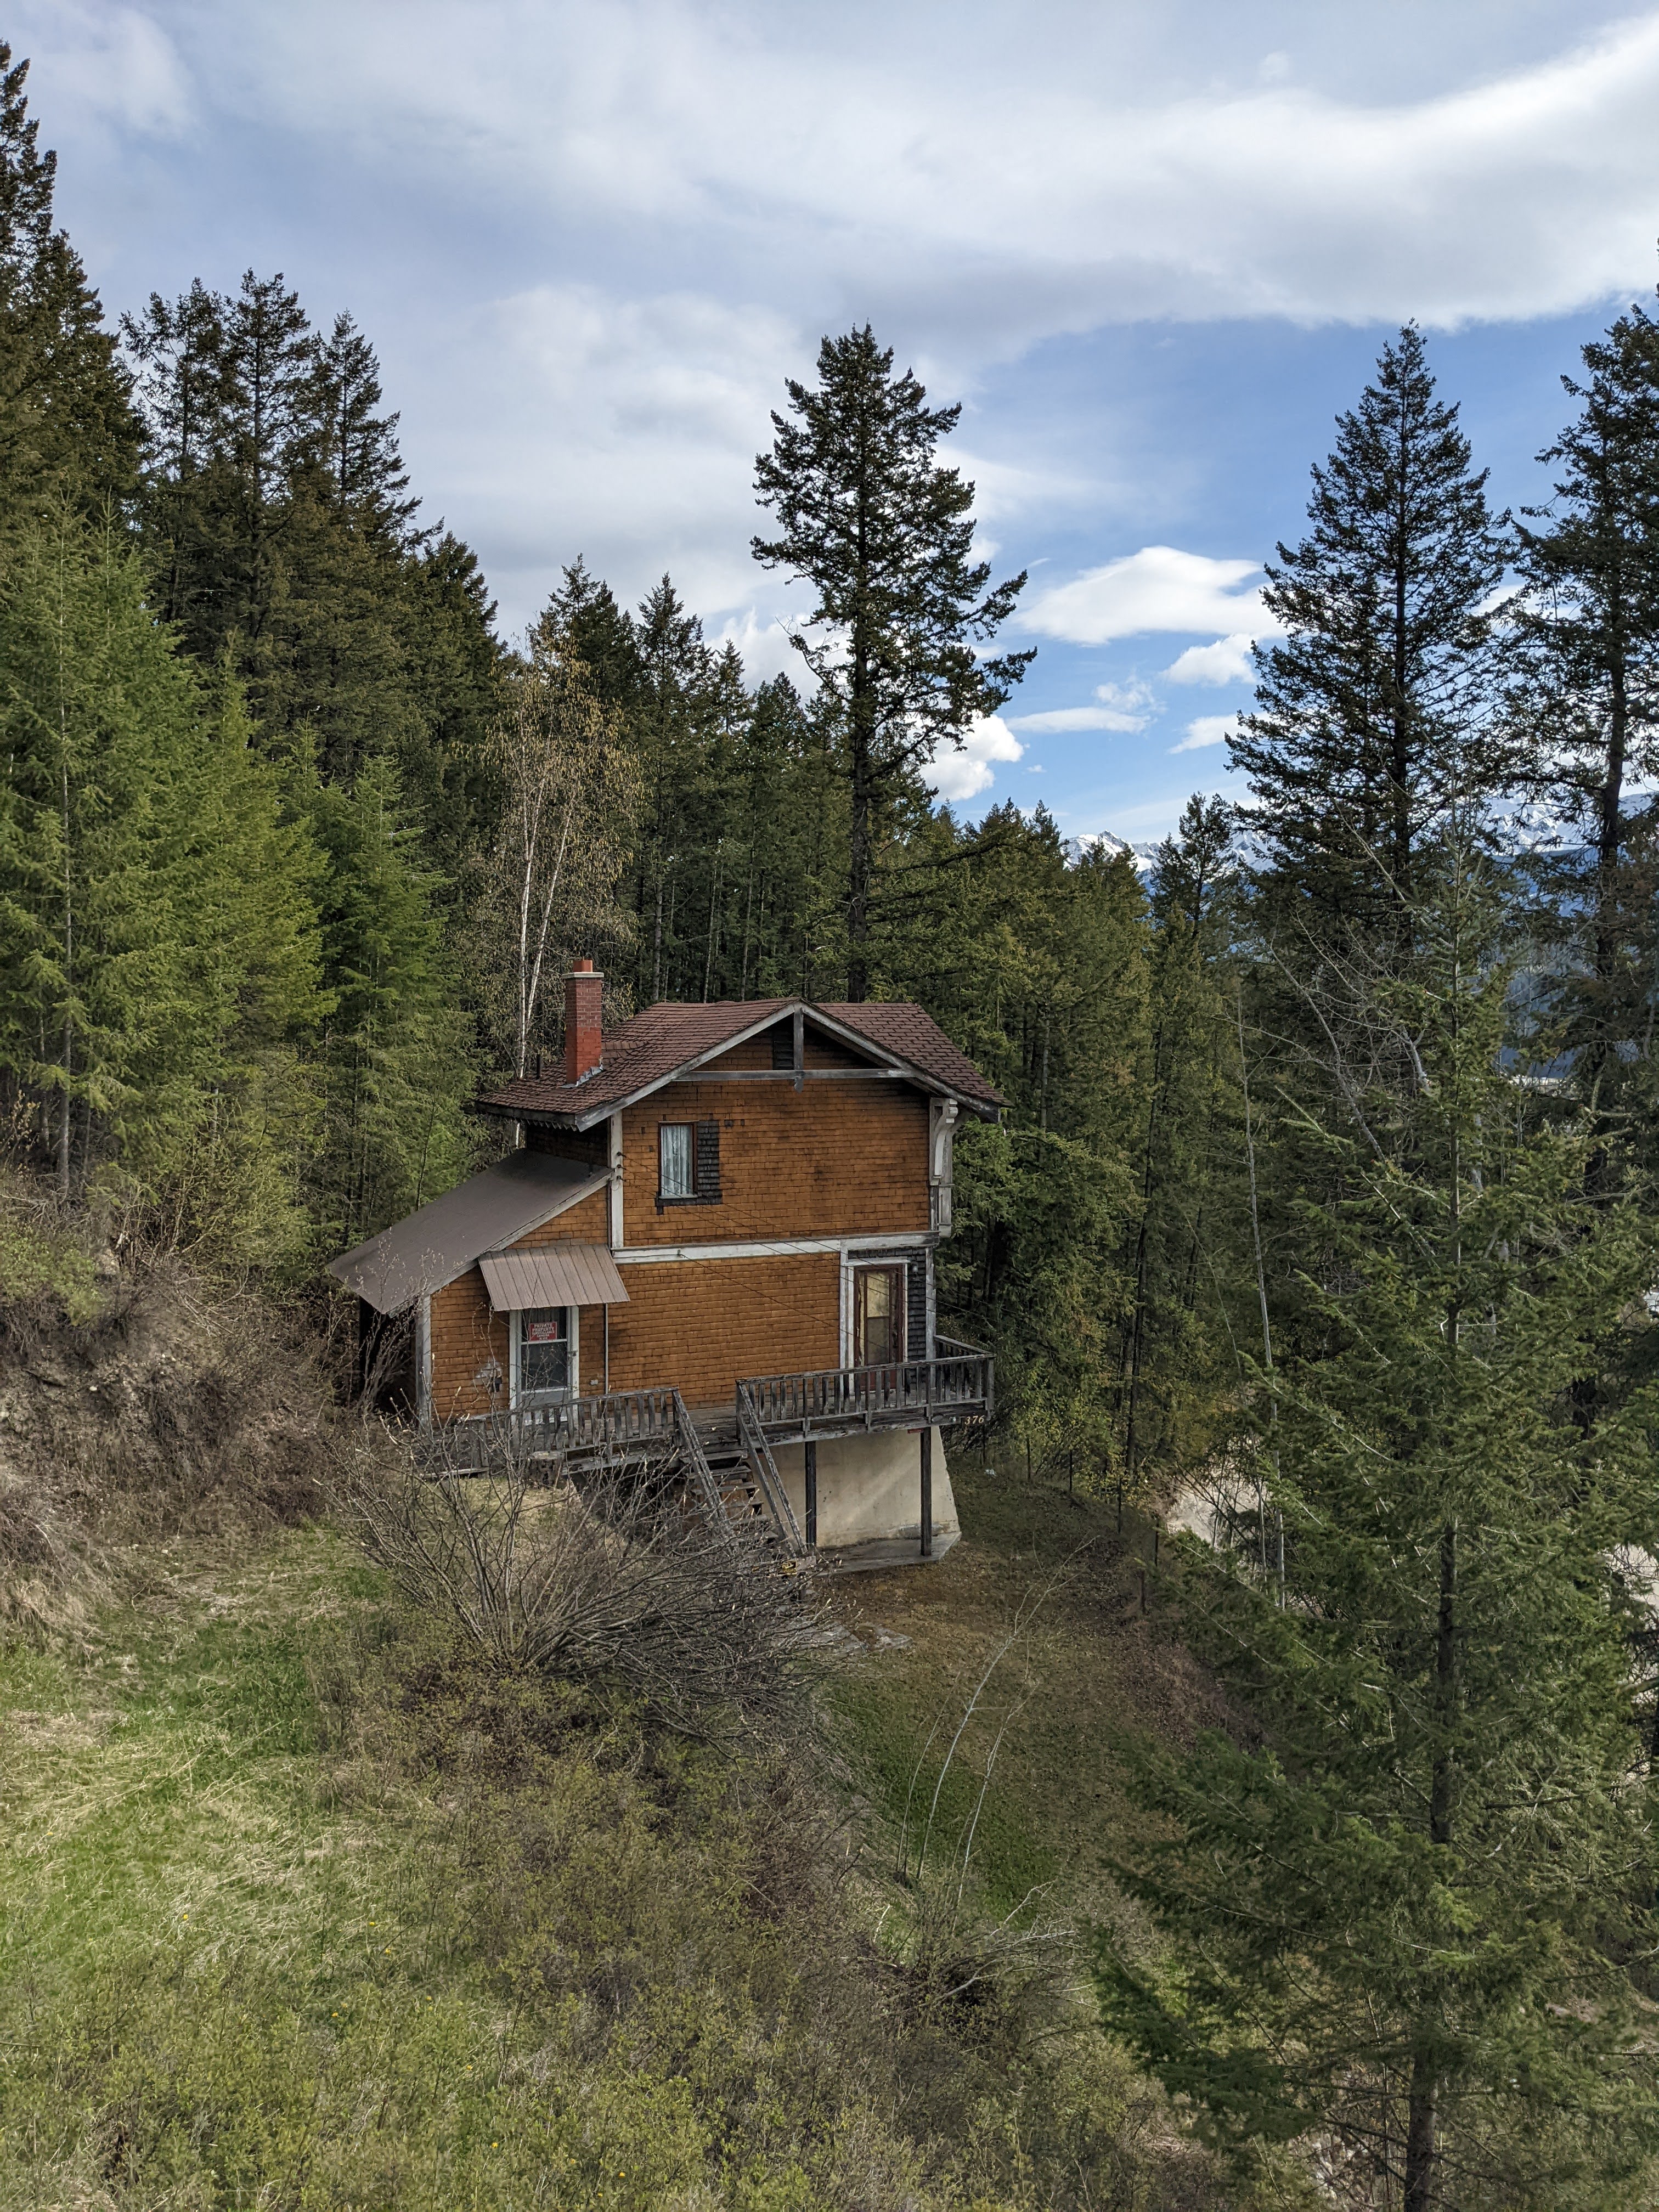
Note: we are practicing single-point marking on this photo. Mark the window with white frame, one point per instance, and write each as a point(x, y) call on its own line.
point(676, 1175)
point(545, 1349)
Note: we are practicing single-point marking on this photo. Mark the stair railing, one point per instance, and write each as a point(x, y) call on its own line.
point(752, 1438)
point(704, 1480)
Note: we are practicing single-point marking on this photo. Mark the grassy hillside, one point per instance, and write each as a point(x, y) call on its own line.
point(305, 1907)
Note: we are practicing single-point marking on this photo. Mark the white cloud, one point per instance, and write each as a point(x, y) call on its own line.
point(1159, 588)
point(764, 646)
point(963, 773)
point(1207, 730)
point(1088, 176)
point(1076, 718)
point(1226, 661)
point(1117, 707)
point(119, 67)
point(637, 422)
point(627, 180)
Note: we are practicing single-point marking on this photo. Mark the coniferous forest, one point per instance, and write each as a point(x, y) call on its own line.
point(1323, 1209)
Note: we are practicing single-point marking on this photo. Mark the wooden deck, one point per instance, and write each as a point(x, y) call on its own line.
point(726, 1451)
point(836, 1402)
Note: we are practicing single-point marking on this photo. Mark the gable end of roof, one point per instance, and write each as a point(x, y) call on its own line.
point(670, 1043)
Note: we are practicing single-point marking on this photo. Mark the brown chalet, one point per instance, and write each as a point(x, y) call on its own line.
point(716, 1240)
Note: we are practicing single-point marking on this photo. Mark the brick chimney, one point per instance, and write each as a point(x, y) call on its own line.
point(584, 1043)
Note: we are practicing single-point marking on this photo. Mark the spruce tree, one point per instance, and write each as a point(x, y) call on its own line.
point(67, 426)
point(398, 1060)
point(1373, 710)
point(1584, 700)
point(883, 535)
point(680, 832)
point(582, 618)
point(283, 536)
point(1399, 1901)
point(158, 950)
point(350, 440)
point(1188, 1087)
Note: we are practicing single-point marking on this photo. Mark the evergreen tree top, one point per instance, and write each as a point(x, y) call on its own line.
point(66, 421)
point(884, 534)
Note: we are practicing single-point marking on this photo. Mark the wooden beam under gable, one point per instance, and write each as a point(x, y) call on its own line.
point(881, 1062)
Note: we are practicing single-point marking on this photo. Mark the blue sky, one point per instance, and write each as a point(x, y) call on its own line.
point(1152, 248)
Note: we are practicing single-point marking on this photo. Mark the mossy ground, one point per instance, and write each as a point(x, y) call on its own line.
point(302, 1909)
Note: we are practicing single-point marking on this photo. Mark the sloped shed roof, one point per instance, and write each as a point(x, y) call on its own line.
point(490, 1210)
point(553, 1275)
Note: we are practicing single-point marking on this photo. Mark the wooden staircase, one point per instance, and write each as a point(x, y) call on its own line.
point(737, 1483)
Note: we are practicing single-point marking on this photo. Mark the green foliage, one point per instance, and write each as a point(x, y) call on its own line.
point(883, 536)
point(396, 1054)
point(40, 1260)
point(67, 433)
point(1372, 711)
point(1398, 1900)
point(305, 1902)
point(1583, 700)
point(158, 953)
point(281, 539)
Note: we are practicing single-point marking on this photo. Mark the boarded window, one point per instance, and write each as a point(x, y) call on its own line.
point(676, 1171)
point(782, 1035)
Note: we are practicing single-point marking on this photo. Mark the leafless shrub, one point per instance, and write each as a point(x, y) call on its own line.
point(610, 1577)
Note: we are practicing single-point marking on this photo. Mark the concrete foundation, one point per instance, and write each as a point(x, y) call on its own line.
point(870, 1488)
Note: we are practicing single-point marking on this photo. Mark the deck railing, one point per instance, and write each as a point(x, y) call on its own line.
point(624, 1421)
point(916, 1391)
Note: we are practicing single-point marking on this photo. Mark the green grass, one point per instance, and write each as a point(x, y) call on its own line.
point(1050, 1578)
point(303, 1910)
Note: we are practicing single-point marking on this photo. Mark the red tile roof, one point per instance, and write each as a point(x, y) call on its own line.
point(668, 1037)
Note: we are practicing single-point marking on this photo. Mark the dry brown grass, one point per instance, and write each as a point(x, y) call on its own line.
point(139, 1402)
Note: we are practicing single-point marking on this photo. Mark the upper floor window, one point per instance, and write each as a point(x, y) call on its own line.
point(688, 1162)
point(677, 1166)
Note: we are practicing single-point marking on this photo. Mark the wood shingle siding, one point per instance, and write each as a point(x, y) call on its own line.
point(582, 1223)
point(468, 1340)
point(703, 1324)
point(834, 1159)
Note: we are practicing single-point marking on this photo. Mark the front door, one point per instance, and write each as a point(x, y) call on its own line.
point(878, 1316)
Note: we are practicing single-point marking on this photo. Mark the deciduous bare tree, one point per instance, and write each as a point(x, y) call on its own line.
point(572, 794)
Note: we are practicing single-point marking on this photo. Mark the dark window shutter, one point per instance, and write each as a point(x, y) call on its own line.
point(709, 1159)
point(916, 1346)
point(782, 1035)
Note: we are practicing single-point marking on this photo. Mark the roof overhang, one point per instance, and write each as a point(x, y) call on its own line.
point(891, 1062)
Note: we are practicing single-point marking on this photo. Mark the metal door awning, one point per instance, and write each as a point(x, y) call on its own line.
point(554, 1275)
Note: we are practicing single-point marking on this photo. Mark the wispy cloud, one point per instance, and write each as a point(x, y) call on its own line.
point(1226, 661)
point(1530, 184)
point(1207, 730)
point(590, 240)
point(1115, 707)
point(1159, 588)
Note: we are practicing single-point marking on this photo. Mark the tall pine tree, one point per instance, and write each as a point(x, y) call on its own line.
point(1584, 700)
point(883, 535)
point(1374, 708)
point(67, 426)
